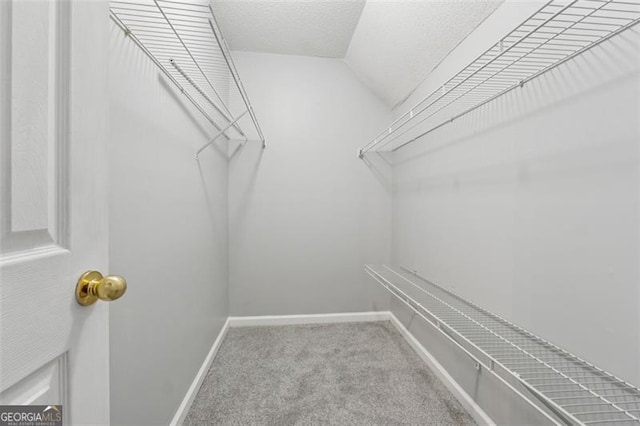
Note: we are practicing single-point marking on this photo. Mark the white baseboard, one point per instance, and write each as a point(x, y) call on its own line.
point(461, 395)
point(308, 319)
point(185, 405)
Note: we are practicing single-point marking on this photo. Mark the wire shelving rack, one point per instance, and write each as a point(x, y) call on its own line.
point(184, 40)
point(556, 33)
point(577, 392)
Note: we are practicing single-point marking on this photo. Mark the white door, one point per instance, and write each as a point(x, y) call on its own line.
point(53, 205)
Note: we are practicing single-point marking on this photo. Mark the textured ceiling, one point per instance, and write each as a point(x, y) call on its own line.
point(392, 45)
point(293, 27)
point(398, 43)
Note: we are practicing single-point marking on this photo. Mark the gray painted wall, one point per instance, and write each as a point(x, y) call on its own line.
point(529, 206)
point(168, 237)
point(306, 214)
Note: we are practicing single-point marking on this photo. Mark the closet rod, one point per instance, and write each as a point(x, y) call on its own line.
point(450, 334)
point(522, 83)
point(557, 32)
point(221, 133)
point(226, 113)
point(132, 36)
point(515, 353)
point(234, 72)
point(444, 91)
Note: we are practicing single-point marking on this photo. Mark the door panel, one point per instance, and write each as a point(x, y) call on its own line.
point(35, 48)
point(46, 386)
point(53, 204)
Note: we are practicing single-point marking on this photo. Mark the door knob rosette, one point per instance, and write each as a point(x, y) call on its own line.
point(93, 286)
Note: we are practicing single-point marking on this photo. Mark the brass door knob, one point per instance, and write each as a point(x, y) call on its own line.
point(93, 286)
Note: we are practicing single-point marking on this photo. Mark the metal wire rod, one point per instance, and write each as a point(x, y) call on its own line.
point(473, 73)
point(181, 33)
point(135, 39)
point(508, 65)
point(594, 382)
point(520, 361)
point(564, 398)
point(533, 358)
point(573, 380)
point(234, 72)
point(475, 107)
point(562, 391)
point(594, 405)
point(199, 90)
point(556, 385)
point(536, 370)
point(405, 299)
point(579, 361)
point(226, 112)
point(553, 378)
point(220, 134)
point(556, 33)
point(591, 413)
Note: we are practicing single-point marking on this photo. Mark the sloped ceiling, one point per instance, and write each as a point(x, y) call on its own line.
point(398, 43)
point(293, 27)
point(391, 45)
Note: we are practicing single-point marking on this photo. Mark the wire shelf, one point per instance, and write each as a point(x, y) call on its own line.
point(184, 40)
point(573, 389)
point(557, 32)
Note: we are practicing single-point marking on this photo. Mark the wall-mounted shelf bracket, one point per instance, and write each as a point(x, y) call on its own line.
point(220, 134)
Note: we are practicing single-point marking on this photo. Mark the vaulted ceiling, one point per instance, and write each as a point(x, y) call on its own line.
point(398, 43)
point(391, 45)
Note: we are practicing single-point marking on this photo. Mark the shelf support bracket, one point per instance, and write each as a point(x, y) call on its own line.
point(220, 133)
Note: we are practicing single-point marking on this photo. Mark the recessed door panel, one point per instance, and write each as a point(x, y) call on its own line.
point(33, 88)
point(45, 386)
